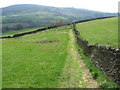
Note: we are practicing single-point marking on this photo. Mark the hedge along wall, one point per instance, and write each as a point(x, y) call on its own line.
point(104, 57)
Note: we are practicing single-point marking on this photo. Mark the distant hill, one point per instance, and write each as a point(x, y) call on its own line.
point(21, 16)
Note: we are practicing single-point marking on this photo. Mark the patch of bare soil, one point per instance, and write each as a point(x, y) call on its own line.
point(51, 41)
point(87, 77)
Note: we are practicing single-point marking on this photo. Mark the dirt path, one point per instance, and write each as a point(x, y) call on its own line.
point(75, 73)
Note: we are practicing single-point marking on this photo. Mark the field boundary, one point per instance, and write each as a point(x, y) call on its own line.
point(50, 27)
point(106, 58)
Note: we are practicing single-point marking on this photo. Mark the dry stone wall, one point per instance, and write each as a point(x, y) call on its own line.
point(104, 57)
point(50, 27)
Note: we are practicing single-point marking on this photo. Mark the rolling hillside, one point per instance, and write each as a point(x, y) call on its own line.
point(22, 16)
point(104, 31)
point(50, 59)
point(34, 61)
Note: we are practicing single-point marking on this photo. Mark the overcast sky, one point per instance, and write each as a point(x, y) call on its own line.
point(97, 5)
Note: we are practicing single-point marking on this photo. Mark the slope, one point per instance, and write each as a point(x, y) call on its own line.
point(104, 31)
point(44, 60)
point(47, 59)
point(28, 16)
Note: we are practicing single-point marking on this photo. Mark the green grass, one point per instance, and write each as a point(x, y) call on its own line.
point(104, 31)
point(72, 76)
point(12, 32)
point(28, 64)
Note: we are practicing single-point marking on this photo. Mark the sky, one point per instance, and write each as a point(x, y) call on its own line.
point(97, 5)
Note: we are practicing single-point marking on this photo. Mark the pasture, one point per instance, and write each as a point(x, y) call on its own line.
point(41, 60)
point(51, 58)
point(34, 60)
point(104, 31)
point(12, 32)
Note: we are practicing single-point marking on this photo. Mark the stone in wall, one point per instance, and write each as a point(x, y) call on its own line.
point(104, 57)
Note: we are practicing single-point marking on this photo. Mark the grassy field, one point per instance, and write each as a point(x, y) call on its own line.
point(49, 59)
point(34, 60)
point(41, 60)
point(12, 32)
point(103, 31)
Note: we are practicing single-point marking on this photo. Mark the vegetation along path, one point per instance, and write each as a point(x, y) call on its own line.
point(75, 73)
point(48, 59)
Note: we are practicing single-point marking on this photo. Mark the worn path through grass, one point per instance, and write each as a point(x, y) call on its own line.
point(48, 59)
point(75, 73)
